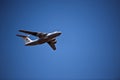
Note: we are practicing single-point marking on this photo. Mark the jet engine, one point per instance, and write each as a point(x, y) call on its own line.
point(54, 41)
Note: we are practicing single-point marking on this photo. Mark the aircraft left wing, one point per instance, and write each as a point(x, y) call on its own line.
point(29, 32)
point(38, 34)
point(52, 45)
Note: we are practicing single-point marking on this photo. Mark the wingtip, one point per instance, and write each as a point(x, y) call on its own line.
point(17, 34)
point(54, 49)
point(20, 30)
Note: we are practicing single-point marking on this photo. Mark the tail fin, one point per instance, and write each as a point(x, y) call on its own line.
point(26, 38)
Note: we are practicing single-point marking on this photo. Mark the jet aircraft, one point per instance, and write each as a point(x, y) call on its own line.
point(49, 38)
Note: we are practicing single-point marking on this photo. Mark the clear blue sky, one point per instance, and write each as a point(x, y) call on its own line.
point(88, 49)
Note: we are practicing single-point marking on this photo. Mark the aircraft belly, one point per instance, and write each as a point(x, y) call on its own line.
point(35, 43)
point(41, 41)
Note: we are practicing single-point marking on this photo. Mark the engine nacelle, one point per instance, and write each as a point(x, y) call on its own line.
point(41, 35)
point(54, 41)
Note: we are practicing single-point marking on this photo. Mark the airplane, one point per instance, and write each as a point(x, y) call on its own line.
point(49, 38)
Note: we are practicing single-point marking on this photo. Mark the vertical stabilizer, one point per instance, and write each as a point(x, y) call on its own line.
point(26, 38)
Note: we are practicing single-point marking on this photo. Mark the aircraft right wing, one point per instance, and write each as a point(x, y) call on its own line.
point(52, 45)
point(38, 34)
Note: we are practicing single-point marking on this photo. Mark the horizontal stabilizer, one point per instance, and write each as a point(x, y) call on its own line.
point(26, 38)
point(21, 35)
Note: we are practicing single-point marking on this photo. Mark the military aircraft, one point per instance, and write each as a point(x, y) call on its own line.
point(49, 38)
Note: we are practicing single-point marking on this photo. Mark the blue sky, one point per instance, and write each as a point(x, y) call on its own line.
point(88, 49)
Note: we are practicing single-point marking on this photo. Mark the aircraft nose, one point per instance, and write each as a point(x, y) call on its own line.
point(59, 33)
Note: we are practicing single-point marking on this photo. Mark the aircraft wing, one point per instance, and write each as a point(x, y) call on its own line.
point(38, 34)
point(52, 45)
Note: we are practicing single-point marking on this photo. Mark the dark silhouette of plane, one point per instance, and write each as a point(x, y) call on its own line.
point(49, 38)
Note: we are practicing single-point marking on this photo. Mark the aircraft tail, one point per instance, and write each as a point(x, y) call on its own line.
point(26, 38)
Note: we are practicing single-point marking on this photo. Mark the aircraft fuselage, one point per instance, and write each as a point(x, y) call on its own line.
point(45, 39)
